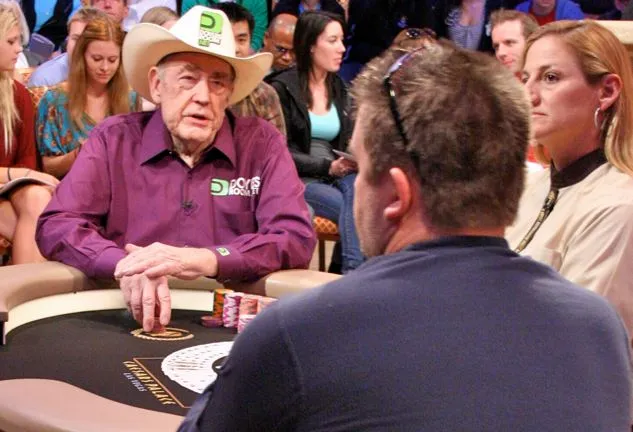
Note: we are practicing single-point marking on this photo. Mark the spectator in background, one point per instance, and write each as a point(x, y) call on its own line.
point(258, 8)
point(547, 11)
point(160, 15)
point(510, 30)
point(55, 70)
point(96, 89)
point(278, 42)
point(297, 7)
point(26, 59)
point(615, 13)
point(374, 24)
point(116, 9)
point(467, 22)
point(164, 17)
point(139, 8)
point(20, 208)
point(315, 105)
point(49, 17)
point(577, 215)
point(263, 101)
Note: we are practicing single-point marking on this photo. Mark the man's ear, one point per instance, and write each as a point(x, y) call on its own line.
point(154, 79)
point(610, 88)
point(402, 195)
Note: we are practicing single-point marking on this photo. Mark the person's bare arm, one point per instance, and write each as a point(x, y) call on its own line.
point(59, 166)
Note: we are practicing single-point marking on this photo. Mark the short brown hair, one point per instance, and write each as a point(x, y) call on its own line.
point(528, 23)
point(466, 119)
point(159, 15)
point(85, 15)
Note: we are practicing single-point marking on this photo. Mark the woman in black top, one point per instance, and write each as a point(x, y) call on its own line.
point(314, 101)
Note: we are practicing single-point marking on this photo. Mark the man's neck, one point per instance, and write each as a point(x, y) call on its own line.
point(542, 11)
point(310, 4)
point(190, 152)
point(406, 237)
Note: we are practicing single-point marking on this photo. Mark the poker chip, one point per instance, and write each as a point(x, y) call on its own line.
point(264, 302)
point(248, 305)
point(231, 312)
point(211, 321)
point(244, 320)
point(218, 301)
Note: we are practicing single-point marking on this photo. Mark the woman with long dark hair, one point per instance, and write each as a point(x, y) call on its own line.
point(314, 101)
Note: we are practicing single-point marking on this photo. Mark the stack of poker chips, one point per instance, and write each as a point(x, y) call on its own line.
point(244, 321)
point(231, 311)
point(235, 309)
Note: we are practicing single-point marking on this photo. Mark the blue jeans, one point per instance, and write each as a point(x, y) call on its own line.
point(335, 202)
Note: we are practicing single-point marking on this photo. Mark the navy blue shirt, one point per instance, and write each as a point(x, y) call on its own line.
point(458, 334)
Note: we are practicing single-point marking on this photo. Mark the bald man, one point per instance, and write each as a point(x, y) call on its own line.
point(278, 41)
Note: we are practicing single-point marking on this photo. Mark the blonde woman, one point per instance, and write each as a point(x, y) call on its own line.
point(577, 215)
point(96, 88)
point(20, 207)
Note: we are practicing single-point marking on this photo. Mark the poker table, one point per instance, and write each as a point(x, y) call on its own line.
point(73, 359)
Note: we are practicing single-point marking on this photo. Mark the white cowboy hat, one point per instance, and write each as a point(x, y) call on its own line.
point(200, 30)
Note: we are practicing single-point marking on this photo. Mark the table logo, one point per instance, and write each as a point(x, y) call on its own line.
point(169, 334)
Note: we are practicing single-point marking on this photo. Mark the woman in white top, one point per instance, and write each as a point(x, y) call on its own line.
point(577, 215)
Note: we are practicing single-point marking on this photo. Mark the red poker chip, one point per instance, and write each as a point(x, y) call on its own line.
point(211, 321)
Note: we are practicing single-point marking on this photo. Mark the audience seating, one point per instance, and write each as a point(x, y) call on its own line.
point(326, 231)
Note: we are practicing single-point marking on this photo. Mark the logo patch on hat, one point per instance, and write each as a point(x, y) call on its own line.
point(210, 29)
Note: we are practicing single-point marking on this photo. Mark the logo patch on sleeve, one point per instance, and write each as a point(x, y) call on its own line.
point(223, 251)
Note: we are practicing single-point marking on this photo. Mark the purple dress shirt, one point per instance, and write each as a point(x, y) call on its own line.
point(243, 200)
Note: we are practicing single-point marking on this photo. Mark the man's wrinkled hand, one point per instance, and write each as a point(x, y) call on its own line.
point(147, 299)
point(158, 260)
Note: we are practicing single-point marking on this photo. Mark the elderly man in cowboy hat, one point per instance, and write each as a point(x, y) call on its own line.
point(188, 190)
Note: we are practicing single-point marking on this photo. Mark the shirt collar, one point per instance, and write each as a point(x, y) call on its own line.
point(578, 170)
point(459, 241)
point(157, 140)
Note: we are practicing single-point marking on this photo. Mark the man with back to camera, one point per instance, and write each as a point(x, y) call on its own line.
point(444, 328)
point(185, 191)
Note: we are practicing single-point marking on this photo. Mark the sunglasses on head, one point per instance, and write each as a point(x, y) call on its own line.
point(388, 85)
point(417, 33)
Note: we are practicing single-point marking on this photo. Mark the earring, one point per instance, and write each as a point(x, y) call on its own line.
point(596, 113)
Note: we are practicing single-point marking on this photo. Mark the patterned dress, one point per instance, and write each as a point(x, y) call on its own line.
point(55, 132)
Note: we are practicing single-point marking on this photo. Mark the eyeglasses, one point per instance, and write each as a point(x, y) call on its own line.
point(283, 51)
point(388, 85)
